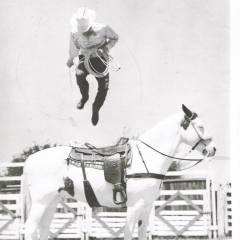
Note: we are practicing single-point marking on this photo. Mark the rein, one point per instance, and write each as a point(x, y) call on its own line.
point(177, 158)
point(161, 176)
point(197, 160)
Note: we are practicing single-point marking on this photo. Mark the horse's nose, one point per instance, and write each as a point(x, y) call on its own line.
point(211, 154)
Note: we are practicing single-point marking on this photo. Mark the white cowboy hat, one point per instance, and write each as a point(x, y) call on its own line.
point(82, 20)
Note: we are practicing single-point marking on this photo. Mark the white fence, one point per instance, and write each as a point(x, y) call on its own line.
point(163, 222)
point(69, 220)
point(10, 220)
point(195, 208)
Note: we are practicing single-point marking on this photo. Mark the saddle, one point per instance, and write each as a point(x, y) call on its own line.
point(113, 160)
point(120, 147)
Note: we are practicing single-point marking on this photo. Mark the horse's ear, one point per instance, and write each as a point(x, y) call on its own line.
point(187, 111)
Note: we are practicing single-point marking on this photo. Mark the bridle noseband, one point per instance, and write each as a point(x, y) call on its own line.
point(188, 120)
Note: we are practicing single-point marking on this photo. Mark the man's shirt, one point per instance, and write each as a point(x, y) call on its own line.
point(100, 35)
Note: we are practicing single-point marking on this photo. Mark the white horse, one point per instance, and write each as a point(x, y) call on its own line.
point(152, 153)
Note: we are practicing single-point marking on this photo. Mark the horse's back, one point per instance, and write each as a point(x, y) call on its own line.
point(47, 162)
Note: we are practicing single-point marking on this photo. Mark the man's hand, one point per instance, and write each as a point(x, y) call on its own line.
point(70, 63)
point(104, 48)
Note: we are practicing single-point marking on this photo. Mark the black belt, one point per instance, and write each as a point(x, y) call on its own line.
point(146, 175)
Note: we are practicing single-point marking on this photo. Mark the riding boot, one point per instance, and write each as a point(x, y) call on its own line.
point(83, 87)
point(81, 103)
point(95, 116)
point(100, 98)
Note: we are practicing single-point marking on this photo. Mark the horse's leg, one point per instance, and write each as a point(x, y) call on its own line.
point(143, 222)
point(44, 227)
point(133, 213)
point(32, 223)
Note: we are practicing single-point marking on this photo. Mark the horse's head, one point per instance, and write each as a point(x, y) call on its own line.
point(194, 134)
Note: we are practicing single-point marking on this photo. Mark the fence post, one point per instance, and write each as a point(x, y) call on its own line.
point(207, 206)
point(22, 213)
point(221, 210)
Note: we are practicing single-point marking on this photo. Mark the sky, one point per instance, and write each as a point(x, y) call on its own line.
point(170, 52)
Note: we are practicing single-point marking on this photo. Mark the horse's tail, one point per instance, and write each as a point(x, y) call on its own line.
point(26, 198)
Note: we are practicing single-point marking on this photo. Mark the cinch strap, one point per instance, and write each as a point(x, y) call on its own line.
point(89, 193)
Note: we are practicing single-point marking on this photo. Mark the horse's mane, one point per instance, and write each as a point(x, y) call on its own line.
point(165, 129)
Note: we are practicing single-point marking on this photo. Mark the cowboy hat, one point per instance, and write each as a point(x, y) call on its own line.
point(82, 20)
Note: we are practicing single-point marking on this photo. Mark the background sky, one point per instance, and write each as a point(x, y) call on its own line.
point(170, 51)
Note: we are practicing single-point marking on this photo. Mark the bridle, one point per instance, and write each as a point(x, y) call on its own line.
point(185, 124)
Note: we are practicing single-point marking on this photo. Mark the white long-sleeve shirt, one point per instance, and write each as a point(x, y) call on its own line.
point(101, 34)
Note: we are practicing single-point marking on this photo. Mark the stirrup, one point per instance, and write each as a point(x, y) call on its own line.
point(118, 188)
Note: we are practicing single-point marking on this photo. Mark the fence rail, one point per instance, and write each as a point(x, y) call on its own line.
point(198, 212)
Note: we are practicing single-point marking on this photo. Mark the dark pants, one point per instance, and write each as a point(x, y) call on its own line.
point(103, 83)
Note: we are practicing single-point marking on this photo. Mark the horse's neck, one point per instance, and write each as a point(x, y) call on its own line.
point(163, 138)
point(164, 134)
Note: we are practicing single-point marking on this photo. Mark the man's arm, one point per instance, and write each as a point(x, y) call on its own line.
point(111, 37)
point(73, 51)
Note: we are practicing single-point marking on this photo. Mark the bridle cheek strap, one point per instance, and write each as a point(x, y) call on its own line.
point(197, 143)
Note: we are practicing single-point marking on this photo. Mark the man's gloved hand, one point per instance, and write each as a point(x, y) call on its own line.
point(70, 63)
point(104, 49)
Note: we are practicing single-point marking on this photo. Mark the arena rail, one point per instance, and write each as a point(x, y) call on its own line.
point(204, 212)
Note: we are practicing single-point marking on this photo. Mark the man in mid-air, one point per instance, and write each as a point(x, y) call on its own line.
point(90, 42)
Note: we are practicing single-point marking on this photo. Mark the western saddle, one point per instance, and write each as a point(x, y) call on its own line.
point(113, 160)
